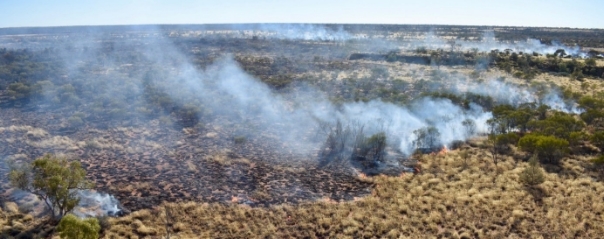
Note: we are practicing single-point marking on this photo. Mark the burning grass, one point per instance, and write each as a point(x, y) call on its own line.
point(447, 200)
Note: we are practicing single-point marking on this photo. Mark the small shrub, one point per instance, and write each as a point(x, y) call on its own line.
point(597, 139)
point(599, 160)
point(73, 227)
point(532, 175)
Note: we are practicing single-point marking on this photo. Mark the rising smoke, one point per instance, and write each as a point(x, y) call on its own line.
point(509, 93)
point(233, 99)
point(488, 42)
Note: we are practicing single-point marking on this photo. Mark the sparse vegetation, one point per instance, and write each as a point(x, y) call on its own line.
point(191, 165)
point(428, 205)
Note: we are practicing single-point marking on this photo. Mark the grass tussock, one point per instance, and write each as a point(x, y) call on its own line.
point(16, 224)
point(449, 199)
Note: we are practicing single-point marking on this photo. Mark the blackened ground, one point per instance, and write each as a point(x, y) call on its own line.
point(147, 164)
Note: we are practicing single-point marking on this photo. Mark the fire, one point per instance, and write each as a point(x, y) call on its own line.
point(443, 151)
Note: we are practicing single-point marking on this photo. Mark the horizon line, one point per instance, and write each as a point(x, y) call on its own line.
point(285, 23)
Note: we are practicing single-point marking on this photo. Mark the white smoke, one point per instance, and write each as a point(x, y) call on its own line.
point(292, 116)
point(95, 204)
point(508, 93)
point(91, 204)
point(399, 122)
point(488, 42)
point(308, 32)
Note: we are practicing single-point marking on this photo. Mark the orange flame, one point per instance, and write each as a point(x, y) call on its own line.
point(443, 151)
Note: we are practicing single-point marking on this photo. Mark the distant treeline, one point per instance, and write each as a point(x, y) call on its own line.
point(569, 36)
point(522, 65)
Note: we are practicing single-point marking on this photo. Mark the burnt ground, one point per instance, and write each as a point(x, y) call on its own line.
point(146, 164)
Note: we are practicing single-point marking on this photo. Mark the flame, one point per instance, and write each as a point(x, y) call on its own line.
point(443, 151)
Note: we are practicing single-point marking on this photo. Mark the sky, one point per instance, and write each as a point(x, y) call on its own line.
point(548, 13)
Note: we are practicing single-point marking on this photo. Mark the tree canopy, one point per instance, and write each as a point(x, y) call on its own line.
point(54, 179)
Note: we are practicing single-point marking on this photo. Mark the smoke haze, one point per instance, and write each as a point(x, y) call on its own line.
point(229, 98)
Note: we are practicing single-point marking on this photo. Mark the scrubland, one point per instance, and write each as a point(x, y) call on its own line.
point(207, 146)
point(450, 198)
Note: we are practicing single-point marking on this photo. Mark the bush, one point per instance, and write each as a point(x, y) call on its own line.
point(76, 228)
point(533, 174)
point(575, 138)
point(559, 125)
point(590, 115)
point(597, 139)
point(549, 148)
point(528, 143)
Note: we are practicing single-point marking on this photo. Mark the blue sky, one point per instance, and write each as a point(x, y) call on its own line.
point(552, 13)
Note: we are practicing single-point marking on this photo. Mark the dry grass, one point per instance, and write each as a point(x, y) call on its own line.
point(16, 224)
point(222, 158)
point(38, 138)
point(449, 199)
point(446, 200)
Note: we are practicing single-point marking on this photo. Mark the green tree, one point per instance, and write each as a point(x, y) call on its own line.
point(559, 125)
point(54, 180)
point(550, 149)
point(533, 174)
point(72, 227)
point(519, 119)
